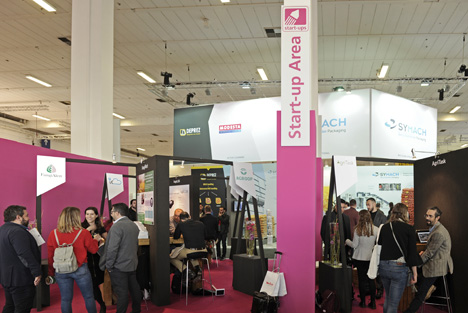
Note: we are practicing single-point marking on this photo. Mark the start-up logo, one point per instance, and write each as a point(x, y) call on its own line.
point(334, 125)
point(193, 131)
point(407, 130)
point(231, 128)
point(295, 19)
point(439, 162)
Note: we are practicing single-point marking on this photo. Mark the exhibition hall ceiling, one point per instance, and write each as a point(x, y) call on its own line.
point(213, 47)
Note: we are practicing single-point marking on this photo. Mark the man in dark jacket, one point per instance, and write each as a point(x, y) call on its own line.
point(211, 224)
point(223, 219)
point(20, 261)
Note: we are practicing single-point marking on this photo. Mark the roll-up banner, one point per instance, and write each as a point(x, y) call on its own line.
point(295, 73)
point(51, 172)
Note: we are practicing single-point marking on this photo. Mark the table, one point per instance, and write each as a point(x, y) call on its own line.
point(333, 280)
point(247, 273)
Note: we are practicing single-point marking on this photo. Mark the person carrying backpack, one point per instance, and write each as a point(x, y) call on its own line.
point(67, 247)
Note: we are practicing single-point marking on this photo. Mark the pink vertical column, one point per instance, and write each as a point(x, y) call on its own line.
point(318, 208)
point(296, 205)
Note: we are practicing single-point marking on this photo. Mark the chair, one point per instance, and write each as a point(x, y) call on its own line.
point(446, 297)
point(200, 255)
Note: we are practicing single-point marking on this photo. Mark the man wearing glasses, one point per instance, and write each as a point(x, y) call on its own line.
point(436, 258)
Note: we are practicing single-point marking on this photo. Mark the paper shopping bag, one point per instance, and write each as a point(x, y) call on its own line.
point(271, 284)
point(282, 286)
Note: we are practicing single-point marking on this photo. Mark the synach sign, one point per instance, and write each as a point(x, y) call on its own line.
point(394, 174)
point(406, 129)
point(334, 125)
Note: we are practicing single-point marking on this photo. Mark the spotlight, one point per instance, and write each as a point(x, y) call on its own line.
point(245, 85)
point(425, 83)
point(207, 92)
point(447, 88)
point(441, 94)
point(189, 98)
point(166, 76)
point(399, 89)
point(253, 91)
point(338, 88)
point(462, 69)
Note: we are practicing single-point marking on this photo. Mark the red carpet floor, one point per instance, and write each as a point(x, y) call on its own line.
point(234, 301)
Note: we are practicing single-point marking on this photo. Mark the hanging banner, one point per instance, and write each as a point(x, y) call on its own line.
point(114, 185)
point(345, 172)
point(295, 73)
point(236, 191)
point(243, 173)
point(50, 173)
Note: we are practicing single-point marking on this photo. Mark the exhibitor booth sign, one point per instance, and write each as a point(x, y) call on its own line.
point(51, 172)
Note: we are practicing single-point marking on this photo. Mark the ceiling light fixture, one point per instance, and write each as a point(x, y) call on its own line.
point(188, 101)
point(348, 89)
point(465, 145)
point(383, 71)
point(34, 79)
point(166, 82)
point(463, 69)
point(245, 85)
point(338, 88)
point(146, 77)
point(399, 89)
point(253, 91)
point(225, 1)
point(455, 109)
point(208, 92)
point(41, 117)
point(141, 149)
point(118, 116)
point(45, 5)
point(262, 73)
point(425, 83)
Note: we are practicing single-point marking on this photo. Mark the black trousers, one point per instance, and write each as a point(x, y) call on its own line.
point(122, 284)
point(424, 284)
point(19, 299)
point(364, 280)
point(222, 238)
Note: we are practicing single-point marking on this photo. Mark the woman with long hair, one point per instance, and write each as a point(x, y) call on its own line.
point(398, 256)
point(93, 224)
point(68, 230)
point(364, 238)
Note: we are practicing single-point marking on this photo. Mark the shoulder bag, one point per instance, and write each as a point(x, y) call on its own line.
point(375, 258)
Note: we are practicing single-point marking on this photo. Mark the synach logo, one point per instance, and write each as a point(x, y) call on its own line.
point(391, 123)
point(334, 122)
point(243, 171)
point(51, 169)
point(394, 174)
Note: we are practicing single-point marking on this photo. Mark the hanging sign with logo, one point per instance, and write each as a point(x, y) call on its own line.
point(345, 172)
point(236, 191)
point(243, 173)
point(50, 173)
point(295, 73)
point(114, 185)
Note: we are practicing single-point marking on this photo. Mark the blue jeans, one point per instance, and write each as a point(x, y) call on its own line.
point(394, 278)
point(82, 277)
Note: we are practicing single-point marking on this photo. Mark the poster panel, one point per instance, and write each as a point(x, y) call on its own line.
point(145, 197)
point(114, 185)
point(345, 172)
point(212, 187)
point(179, 198)
point(51, 172)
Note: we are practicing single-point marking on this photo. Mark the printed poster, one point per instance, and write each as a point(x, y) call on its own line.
point(145, 198)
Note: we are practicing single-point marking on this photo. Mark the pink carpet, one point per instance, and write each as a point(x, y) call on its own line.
point(234, 301)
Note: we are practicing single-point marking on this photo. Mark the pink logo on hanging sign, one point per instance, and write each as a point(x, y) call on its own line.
point(295, 19)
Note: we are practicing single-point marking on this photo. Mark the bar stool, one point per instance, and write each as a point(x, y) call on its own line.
point(446, 297)
point(203, 255)
point(213, 245)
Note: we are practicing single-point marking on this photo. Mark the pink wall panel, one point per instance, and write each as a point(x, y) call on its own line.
point(83, 187)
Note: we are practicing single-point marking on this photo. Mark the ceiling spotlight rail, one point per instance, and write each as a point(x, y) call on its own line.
point(23, 108)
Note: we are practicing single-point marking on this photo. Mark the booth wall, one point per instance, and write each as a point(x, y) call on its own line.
point(83, 186)
point(441, 182)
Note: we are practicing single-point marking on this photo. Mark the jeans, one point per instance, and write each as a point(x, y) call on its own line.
point(82, 277)
point(424, 284)
point(394, 278)
point(364, 280)
point(19, 299)
point(122, 283)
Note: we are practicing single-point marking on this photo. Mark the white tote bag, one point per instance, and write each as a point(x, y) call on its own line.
point(274, 284)
point(375, 258)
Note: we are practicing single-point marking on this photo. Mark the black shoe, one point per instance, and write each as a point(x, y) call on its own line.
point(103, 308)
point(372, 305)
point(378, 295)
point(362, 304)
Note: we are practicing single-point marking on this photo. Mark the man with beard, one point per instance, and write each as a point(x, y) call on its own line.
point(436, 258)
point(20, 261)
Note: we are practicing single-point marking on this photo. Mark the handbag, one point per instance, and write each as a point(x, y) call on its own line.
point(263, 303)
point(375, 258)
point(408, 279)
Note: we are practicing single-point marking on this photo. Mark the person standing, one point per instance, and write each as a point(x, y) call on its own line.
point(121, 259)
point(353, 215)
point(20, 261)
point(93, 224)
point(69, 231)
point(211, 225)
point(398, 253)
point(223, 222)
point(436, 259)
point(363, 242)
point(132, 211)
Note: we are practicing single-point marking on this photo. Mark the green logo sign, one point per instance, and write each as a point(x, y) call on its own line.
point(51, 169)
point(243, 171)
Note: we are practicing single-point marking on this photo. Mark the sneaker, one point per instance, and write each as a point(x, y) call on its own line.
point(429, 292)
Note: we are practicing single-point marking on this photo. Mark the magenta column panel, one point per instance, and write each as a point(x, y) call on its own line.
point(318, 209)
point(296, 205)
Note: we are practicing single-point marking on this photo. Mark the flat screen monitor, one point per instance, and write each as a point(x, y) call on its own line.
point(423, 235)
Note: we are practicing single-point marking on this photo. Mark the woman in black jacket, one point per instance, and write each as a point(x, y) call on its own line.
point(398, 256)
point(93, 224)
